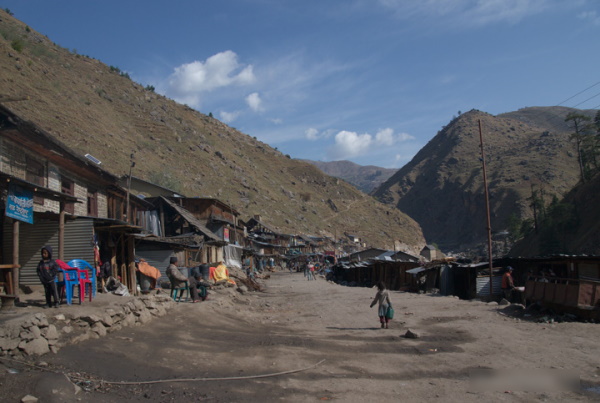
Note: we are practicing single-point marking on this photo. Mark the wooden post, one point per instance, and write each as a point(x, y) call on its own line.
point(15, 269)
point(131, 260)
point(61, 231)
point(162, 220)
point(123, 268)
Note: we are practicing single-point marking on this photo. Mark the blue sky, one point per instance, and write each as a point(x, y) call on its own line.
point(370, 81)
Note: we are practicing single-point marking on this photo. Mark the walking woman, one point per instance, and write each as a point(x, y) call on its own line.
point(383, 298)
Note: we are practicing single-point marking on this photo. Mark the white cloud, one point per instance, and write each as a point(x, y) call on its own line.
point(400, 137)
point(254, 102)
point(351, 144)
point(468, 12)
point(190, 80)
point(385, 137)
point(277, 121)
point(228, 117)
point(312, 134)
point(591, 16)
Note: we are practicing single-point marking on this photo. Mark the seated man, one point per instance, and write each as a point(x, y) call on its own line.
point(176, 277)
point(198, 286)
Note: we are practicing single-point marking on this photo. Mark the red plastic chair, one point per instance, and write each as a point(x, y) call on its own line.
point(84, 281)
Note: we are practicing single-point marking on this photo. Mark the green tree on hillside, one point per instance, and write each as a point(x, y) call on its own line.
point(596, 143)
point(583, 141)
point(561, 221)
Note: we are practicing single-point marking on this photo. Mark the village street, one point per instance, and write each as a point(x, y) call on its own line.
point(330, 335)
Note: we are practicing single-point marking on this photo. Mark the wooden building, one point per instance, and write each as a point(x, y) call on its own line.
point(72, 204)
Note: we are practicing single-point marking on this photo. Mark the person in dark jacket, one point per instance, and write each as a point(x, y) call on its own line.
point(197, 282)
point(176, 277)
point(47, 270)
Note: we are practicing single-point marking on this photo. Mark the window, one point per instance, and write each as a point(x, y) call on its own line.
point(35, 172)
point(68, 187)
point(92, 203)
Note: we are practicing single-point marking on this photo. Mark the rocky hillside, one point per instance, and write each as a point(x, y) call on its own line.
point(365, 177)
point(442, 187)
point(96, 109)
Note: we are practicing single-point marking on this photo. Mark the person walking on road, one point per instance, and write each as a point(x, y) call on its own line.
point(310, 271)
point(382, 297)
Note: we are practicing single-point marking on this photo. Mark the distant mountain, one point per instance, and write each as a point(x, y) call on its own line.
point(364, 177)
point(442, 187)
point(97, 109)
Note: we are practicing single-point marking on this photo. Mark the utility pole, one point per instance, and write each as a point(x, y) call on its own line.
point(487, 206)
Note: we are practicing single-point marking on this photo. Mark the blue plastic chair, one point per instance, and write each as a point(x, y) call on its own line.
point(178, 292)
point(70, 280)
point(83, 265)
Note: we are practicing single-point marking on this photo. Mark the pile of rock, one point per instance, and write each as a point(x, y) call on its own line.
point(32, 336)
point(38, 334)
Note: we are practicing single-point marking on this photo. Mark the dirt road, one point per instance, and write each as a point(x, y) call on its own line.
point(328, 333)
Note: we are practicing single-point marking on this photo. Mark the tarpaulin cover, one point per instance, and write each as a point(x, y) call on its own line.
point(148, 270)
point(233, 256)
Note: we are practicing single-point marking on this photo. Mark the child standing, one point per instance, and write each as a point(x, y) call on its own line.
point(383, 298)
point(47, 271)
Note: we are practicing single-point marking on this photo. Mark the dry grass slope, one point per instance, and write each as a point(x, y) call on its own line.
point(96, 109)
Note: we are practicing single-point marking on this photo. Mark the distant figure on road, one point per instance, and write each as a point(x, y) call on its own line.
point(310, 267)
point(383, 298)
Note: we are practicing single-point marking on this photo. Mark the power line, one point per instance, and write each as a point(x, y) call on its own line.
point(582, 102)
point(580, 92)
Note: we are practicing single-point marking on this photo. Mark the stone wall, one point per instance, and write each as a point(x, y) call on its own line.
point(43, 332)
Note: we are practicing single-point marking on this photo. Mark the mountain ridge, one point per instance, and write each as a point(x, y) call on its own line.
point(365, 177)
point(442, 186)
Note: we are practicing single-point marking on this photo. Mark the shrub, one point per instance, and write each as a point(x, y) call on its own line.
point(150, 88)
point(305, 197)
point(17, 45)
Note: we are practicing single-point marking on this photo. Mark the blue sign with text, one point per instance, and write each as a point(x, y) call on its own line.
point(19, 204)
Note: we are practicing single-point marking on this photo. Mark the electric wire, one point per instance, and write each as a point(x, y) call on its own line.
point(582, 102)
point(580, 92)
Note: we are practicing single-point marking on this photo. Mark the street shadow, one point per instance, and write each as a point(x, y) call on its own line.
point(354, 328)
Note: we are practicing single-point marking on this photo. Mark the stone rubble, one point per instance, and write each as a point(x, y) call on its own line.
point(39, 334)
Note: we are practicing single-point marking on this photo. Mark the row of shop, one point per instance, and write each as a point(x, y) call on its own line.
point(565, 283)
point(53, 196)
